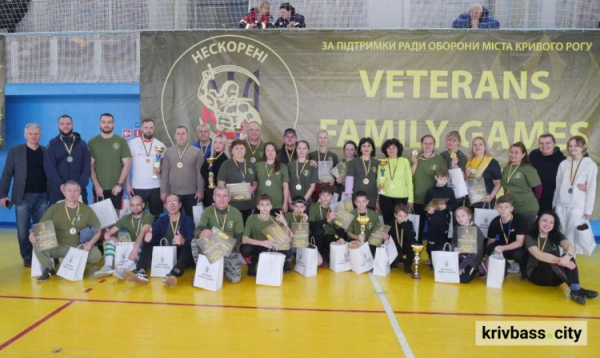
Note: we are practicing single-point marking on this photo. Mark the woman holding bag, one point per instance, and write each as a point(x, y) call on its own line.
point(546, 267)
point(575, 188)
point(522, 182)
point(483, 165)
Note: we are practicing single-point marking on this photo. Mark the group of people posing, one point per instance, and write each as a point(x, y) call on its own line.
point(545, 197)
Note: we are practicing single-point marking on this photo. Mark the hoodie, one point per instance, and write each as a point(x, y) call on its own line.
point(463, 21)
point(585, 173)
point(547, 168)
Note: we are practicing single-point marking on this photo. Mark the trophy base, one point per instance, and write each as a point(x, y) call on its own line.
point(416, 276)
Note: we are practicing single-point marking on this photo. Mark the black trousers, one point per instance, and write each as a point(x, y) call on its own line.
point(323, 241)
point(188, 201)
point(253, 252)
point(387, 205)
point(468, 274)
point(151, 198)
point(437, 236)
point(520, 255)
point(545, 274)
point(405, 252)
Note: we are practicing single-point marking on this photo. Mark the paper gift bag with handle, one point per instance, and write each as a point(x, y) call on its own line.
point(270, 268)
point(73, 265)
point(496, 269)
point(361, 258)
point(163, 259)
point(381, 265)
point(445, 265)
point(209, 276)
point(339, 257)
point(307, 259)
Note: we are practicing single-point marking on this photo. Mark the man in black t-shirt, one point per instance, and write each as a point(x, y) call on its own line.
point(506, 234)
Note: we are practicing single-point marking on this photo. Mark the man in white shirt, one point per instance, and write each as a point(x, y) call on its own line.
point(145, 169)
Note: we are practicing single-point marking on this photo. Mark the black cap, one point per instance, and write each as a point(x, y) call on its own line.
point(290, 130)
point(299, 199)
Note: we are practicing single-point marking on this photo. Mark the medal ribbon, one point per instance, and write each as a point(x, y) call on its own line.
point(137, 230)
point(509, 227)
point(393, 171)
point(242, 172)
point(321, 212)
point(299, 172)
point(70, 148)
point(69, 216)
point(222, 226)
point(399, 238)
point(367, 170)
point(542, 247)
point(174, 228)
point(255, 149)
point(147, 151)
point(267, 169)
point(510, 175)
point(181, 154)
point(571, 175)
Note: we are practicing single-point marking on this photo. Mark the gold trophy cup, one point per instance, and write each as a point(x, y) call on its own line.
point(211, 175)
point(415, 266)
point(382, 164)
point(362, 221)
point(159, 151)
point(238, 131)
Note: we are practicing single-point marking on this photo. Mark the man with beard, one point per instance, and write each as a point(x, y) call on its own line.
point(144, 165)
point(255, 148)
point(25, 164)
point(180, 172)
point(111, 160)
point(136, 224)
point(288, 149)
point(67, 158)
point(204, 141)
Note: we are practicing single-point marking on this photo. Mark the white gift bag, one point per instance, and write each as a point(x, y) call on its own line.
point(307, 259)
point(445, 264)
point(495, 271)
point(122, 261)
point(391, 250)
point(483, 218)
point(381, 266)
point(361, 259)
point(36, 266)
point(457, 183)
point(163, 259)
point(197, 211)
point(270, 269)
point(73, 265)
point(415, 219)
point(106, 213)
point(585, 243)
point(339, 257)
point(209, 276)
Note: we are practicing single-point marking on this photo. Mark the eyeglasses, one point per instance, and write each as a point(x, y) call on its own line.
point(172, 202)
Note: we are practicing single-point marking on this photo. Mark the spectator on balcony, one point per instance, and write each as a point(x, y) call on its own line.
point(258, 18)
point(11, 13)
point(478, 17)
point(289, 17)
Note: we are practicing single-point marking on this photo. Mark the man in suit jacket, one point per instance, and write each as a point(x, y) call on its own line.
point(25, 163)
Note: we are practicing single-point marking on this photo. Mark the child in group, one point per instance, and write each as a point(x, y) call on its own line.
point(321, 219)
point(298, 216)
point(404, 236)
point(439, 203)
point(467, 262)
point(254, 241)
point(361, 201)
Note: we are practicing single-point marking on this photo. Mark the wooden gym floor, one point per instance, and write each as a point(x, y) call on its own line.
point(330, 315)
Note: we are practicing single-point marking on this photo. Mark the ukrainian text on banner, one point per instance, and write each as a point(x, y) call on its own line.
point(506, 86)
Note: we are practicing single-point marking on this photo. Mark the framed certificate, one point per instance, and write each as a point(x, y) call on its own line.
point(239, 191)
point(46, 236)
point(476, 189)
point(467, 239)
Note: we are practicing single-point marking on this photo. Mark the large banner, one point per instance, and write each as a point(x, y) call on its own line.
point(506, 86)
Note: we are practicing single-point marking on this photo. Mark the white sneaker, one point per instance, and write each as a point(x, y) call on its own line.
point(514, 268)
point(104, 271)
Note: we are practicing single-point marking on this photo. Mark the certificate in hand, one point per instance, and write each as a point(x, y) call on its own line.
point(324, 171)
point(467, 239)
point(46, 236)
point(340, 170)
point(277, 234)
point(476, 189)
point(239, 191)
point(343, 218)
point(218, 245)
point(300, 234)
point(376, 238)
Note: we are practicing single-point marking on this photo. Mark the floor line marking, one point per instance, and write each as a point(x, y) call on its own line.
point(36, 324)
point(392, 318)
point(88, 290)
point(299, 309)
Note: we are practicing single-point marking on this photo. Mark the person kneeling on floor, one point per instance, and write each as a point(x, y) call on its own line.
point(467, 262)
point(254, 241)
point(137, 224)
point(178, 229)
point(546, 267)
point(74, 223)
point(229, 220)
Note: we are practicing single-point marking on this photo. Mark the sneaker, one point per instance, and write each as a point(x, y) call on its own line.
point(138, 276)
point(252, 270)
point(104, 271)
point(482, 271)
point(287, 267)
point(46, 275)
point(27, 263)
point(578, 296)
point(170, 280)
point(119, 274)
point(514, 268)
point(589, 293)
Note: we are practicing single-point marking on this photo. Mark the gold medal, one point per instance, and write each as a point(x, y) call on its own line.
point(452, 155)
point(268, 183)
point(366, 181)
point(147, 160)
point(179, 165)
